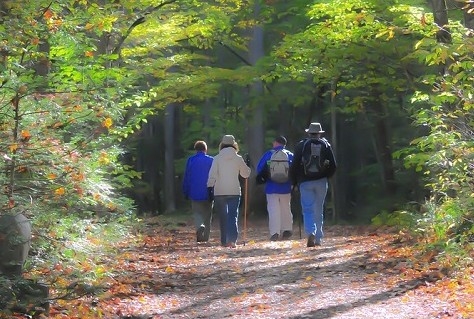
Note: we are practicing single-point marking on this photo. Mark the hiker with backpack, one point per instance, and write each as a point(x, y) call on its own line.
point(313, 163)
point(273, 170)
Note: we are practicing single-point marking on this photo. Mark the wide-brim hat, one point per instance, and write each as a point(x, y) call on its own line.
point(228, 140)
point(314, 128)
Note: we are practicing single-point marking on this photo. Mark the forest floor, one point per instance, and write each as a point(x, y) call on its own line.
point(358, 272)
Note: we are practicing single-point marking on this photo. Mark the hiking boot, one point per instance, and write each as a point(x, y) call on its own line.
point(317, 242)
point(231, 245)
point(311, 241)
point(200, 234)
point(286, 234)
point(274, 237)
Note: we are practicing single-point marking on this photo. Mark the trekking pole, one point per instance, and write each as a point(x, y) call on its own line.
point(299, 222)
point(245, 209)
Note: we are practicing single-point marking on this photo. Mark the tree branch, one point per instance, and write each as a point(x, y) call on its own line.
point(139, 21)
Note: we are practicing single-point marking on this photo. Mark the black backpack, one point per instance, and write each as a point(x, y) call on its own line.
point(317, 158)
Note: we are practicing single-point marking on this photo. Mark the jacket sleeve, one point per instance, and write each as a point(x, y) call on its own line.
point(211, 180)
point(244, 170)
point(186, 179)
point(333, 165)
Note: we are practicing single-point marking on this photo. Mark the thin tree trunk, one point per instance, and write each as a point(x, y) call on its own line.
point(469, 15)
point(169, 180)
point(383, 145)
point(440, 12)
point(333, 182)
point(255, 132)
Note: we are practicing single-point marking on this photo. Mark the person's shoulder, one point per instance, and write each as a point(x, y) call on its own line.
point(325, 141)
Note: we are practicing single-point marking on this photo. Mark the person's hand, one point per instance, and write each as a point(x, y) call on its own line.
point(210, 193)
point(246, 158)
point(294, 188)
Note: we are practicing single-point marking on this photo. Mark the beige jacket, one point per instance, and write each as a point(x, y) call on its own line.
point(225, 170)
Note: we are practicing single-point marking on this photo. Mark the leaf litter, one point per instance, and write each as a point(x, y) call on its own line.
point(358, 272)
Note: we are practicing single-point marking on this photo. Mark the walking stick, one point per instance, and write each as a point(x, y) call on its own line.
point(245, 209)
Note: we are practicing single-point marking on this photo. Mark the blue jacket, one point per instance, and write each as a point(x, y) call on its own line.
point(196, 175)
point(272, 187)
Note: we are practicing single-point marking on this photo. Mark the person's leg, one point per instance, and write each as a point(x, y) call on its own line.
point(321, 187)
point(286, 217)
point(273, 208)
point(198, 207)
point(208, 220)
point(307, 203)
point(232, 219)
point(206, 213)
point(220, 206)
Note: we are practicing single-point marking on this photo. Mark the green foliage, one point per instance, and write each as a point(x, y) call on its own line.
point(402, 219)
point(445, 153)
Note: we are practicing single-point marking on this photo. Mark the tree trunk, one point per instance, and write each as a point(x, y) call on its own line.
point(333, 181)
point(440, 12)
point(255, 132)
point(15, 238)
point(469, 15)
point(169, 180)
point(383, 147)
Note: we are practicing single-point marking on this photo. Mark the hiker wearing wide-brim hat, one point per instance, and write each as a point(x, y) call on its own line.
point(223, 180)
point(313, 163)
point(314, 128)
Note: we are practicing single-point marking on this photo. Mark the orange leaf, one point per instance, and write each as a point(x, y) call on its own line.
point(25, 134)
point(60, 191)
point(48, 14)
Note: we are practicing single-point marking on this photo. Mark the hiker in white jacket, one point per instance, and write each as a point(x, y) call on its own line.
point(224, 183)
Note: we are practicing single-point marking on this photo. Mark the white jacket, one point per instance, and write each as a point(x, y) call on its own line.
point(225, 170)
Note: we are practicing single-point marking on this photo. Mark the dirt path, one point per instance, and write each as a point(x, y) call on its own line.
point(355, 274)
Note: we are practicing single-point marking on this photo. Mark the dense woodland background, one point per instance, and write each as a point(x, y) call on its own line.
point(101, 102)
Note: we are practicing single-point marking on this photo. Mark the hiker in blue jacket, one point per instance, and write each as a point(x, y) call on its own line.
point(195, 189)
point(277, 190)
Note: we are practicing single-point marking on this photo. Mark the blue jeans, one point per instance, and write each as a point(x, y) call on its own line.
point(313, 194)
point(227, 208)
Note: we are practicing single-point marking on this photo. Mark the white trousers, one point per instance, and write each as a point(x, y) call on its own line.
point(280, 217)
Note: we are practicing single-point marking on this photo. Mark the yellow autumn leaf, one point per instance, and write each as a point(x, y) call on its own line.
point(60, 191)
point(107, 122)
point(104, 158)
point(51, 176)
point(13, 147)
point(169, 269)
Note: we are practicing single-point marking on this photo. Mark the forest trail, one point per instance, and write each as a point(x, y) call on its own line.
point(358, 272)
